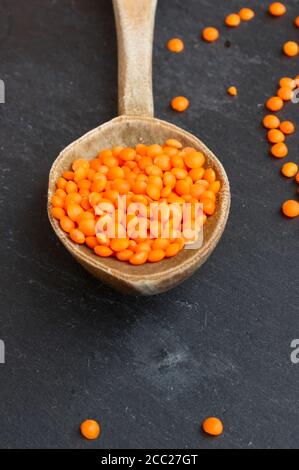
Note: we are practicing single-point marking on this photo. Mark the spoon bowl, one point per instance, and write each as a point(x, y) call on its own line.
point(136, 125)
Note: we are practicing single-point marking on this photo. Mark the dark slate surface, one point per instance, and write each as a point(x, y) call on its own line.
point(148, 369)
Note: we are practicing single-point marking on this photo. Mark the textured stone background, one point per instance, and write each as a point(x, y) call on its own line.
point(149, 369)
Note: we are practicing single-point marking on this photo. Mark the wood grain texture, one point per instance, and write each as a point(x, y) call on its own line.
point(135, 27)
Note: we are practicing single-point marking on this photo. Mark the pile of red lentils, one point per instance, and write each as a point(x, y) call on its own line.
point(277, 131)
point(150, 174)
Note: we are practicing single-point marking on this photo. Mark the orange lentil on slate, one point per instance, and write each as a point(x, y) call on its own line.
point(285, 93)
point(287, 82)
point(180, 103)
point(277, 9)
point(168, 173)
point(175, 45)
point(287, 127)
point(232, 90)
point(232, 20)
point(274, 103)
point(271, 121)
point(210, 34)
point(291, 48)
point(90, 429)
point(212, 426)
point(296, 21)
point(289, 170)
point(279, 150)
point(290, 208)
point(275, 136)
point(246, 14)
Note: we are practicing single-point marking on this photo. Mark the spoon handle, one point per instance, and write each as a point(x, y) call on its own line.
point(135, 28)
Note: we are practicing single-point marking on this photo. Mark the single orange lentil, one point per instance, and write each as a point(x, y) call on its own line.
point(177, 161)
point(289, 170)
point(67, 224)
point(296, 21)
point(155, 256)
point(208, 206)
point(275, 136)
point(90, 429)
point(120, 185)
point(153, 192)
point(232, 90)
point(163, 162)
point(182, 187)
point(172, 250)
point(60, 193)
point(124, 255)
point(287, 127)
point(160, 244)
point(196, 173)
point(246, 14)
point(279, 150)
point(179, 173)
point(210, 34)
point(215, 187)
point(56, 201)
point(271, 121)
point(194, 160)
point(277, 9)
point(180, 103)
point(174, 143)
point(80, 162)
point(297, 178)
point(119, 244)
point(209, 175)
point(287, 82)
point(87, 226)
point(175, 45)
point(274, 103)
point(103, 251)
point(154, 150)
point(291, 48)
point(285, 93)
point(232, 20)
point(198, 188)
point(57, 212)
point(61, 183)
point(169, 179)
point(143, 246)
point(212, 426)
point(77, 236)
point(74, 211)
point(71, 187)
point(72, 198)
point(127, 154)
point(290, 208)
point(91, 242)
point(68, 175)
point(139, 258)
point(207, 195)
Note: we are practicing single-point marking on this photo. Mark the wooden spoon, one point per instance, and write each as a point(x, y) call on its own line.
point(135, 25)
